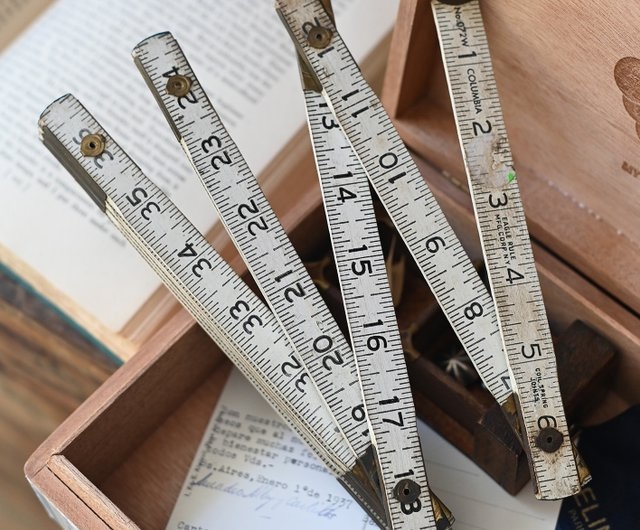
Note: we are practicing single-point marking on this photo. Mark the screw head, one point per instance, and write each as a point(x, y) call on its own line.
point(92, 145)
point(406, 491)
point(178, 85)
point(319, 37)
point(549, 439)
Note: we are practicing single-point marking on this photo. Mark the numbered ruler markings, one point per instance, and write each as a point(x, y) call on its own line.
point(191, 300)
point(371, 319)
point(308, 431)
point(150, 236)
point(505, 241)
point(363, 495)
point(146, 210)
point(404, 193)
point(258, 234)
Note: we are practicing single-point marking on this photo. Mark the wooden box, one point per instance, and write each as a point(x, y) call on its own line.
point(119, 461)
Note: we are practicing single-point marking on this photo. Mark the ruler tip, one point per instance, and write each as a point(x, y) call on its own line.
point(283, 4)
point(138, 49)
point(63, 101)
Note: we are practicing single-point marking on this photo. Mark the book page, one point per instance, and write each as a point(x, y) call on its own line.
point(251, 471)
point(246, 62)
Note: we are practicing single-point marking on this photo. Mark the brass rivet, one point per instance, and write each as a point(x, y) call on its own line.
point(406, 491)
point(319, 37)
point(92, 145)
point(178, 85)
point(549, 439)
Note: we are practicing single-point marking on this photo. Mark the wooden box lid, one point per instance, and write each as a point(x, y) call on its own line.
point(570, 91)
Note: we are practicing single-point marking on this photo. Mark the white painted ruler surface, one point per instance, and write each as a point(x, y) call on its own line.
point(258, 235)
point(372, 321)
point(524, 327)
point(402, 190)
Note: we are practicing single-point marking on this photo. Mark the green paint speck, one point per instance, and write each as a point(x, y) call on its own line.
point(511, 177)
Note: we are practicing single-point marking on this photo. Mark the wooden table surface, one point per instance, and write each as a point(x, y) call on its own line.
point(47, 368)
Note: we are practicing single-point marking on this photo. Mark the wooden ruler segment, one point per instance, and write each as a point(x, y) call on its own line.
point(401, 188)
point(372, 323)
point(219, 300)
point(258, 235)
point(523, 323)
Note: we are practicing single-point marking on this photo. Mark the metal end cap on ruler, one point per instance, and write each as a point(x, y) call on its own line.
point(443, 516)
point(365, 497)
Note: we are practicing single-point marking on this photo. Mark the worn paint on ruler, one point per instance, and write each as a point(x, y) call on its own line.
point(404, 193)
point(507, 250)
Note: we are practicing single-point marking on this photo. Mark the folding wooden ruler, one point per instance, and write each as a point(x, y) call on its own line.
point(233, 316)
point(290, 292)
point(355, 411)
point(511, 268)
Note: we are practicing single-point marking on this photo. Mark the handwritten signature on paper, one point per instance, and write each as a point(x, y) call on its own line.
point(266, 497)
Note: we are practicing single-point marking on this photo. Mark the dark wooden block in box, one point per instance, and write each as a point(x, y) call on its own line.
point(585, 367)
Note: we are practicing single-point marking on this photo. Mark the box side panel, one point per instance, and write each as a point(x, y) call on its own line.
point(88, 494)
point(62, 505)
point(146, 485)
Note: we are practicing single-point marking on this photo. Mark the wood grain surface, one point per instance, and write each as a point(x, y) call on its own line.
point(47, 368)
